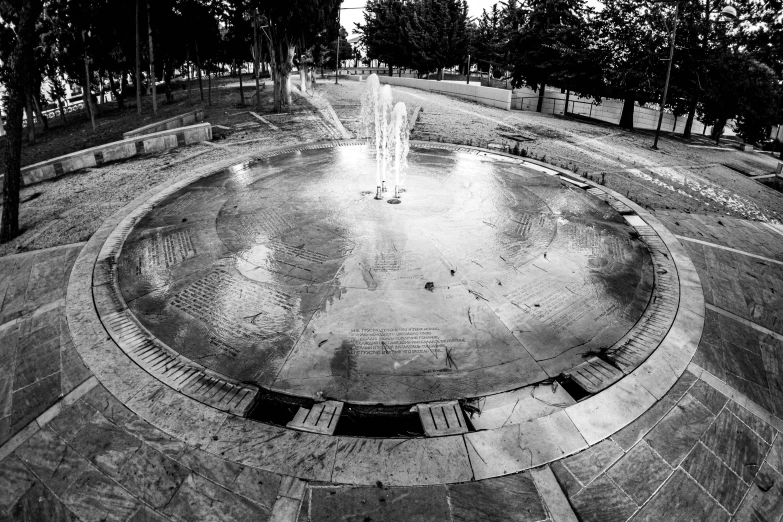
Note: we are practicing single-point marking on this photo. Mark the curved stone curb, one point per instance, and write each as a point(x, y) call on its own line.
point(115, 151)
point(182, 120)
point(439, 460)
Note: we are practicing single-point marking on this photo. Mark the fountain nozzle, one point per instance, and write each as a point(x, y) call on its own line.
point(383, 186)
point(397, 191)
point(378, 193)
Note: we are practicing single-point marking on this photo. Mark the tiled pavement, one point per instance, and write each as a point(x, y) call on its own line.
point(697, 454)
point(39, 363)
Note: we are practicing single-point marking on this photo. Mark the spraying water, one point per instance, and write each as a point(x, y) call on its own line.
point(389, 127)
point(370, 121)
point(398, 142)
point(384, 112)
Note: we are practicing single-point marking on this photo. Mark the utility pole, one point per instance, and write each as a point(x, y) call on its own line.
point(152, 63)
point(87, 97)
point(257, 57)
point(138, 62)
point(668, 74)
point(337, 58)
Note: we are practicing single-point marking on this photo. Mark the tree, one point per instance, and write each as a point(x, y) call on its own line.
point(346, 52)
point(15, 75)
point(437, 31)
point(383, 32)
point(632, 40)
point(741, 87)
point(489, 39)
point(554, 46)
point(290, 24)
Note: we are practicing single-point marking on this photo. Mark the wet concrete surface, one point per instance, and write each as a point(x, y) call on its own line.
point(288, 273)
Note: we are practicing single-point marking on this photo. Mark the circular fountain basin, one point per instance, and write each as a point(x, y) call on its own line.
point(289, 274)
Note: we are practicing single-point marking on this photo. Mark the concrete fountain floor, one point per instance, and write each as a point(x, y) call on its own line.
point(287, 273)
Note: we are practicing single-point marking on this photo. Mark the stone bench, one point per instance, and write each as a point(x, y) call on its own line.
point(183, 120)
point(114, 151)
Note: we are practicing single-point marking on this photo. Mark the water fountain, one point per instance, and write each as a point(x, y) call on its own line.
point(389, 127)
point(398, 142)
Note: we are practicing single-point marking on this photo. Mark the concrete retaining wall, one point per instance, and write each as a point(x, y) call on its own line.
point(183, 120)
point(609, 110)
point(500, 98)
point(116, 150)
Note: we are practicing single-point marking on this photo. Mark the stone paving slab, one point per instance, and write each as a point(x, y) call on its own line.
point(39, 361)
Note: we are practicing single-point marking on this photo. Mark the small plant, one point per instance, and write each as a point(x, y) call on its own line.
point(524, 153)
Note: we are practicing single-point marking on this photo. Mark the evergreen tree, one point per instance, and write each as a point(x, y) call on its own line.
point(290, 24)
point(553, 46)
point(383, 32)
point(741, 88)
point(438, 34)
point(633, 41)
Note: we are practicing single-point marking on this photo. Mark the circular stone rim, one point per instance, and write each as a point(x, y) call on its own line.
point(455, 458)
point(225, 392)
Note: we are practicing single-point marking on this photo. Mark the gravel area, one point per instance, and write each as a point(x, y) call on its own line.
point(682, 176)
point(70, 209)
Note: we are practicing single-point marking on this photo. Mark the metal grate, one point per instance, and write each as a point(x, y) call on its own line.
point(442, 418)
point(322, 418)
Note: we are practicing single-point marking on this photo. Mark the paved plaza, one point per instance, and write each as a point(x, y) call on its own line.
point(237, 330)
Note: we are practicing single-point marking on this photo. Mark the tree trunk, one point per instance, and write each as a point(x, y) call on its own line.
point(114, 92)
point(257, 58)
point(717, 130)
point(28, 109)
point(568, 96)
point(626, 118)
point(289, 67)
point(62, 110)
point(391, 70)
point(87, 96)
point(303, 77)
point(167, 72)
point(100, 89)
point(686, 133)
point(152, 62)
point(37, 108)
point(541, 89)
point(241, 92)
point(18, 64)
point(138, 62)
point(440, 73)
point(198, 71)
point(187, 62)
point(209, 87)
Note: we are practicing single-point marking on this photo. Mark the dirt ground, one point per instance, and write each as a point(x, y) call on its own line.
point(689, 176)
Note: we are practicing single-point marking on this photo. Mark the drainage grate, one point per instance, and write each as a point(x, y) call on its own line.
point(322, 418)
point(442, 418)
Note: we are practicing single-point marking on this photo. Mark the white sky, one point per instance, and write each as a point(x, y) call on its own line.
point(350, 16)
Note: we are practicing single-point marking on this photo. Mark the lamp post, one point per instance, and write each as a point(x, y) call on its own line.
point(727, 12)
point(337, 58)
